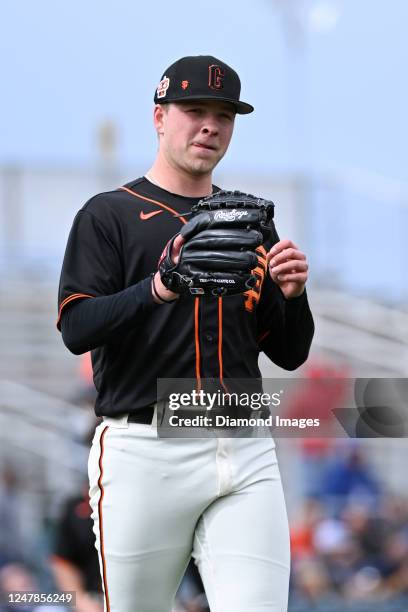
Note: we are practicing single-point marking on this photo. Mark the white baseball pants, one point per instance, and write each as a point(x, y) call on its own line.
point(157, 501)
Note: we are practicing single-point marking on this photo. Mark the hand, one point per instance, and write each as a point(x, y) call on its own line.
point(161, 290)
point(288, 268)
point(85, 603)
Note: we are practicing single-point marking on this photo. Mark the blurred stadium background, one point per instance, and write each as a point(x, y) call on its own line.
point(328, 145)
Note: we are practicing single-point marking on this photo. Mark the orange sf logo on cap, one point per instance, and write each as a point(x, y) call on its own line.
point(184, 84)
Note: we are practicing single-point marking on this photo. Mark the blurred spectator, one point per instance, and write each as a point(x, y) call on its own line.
point(360, 556)
point(394, 510)
point(303, 528)
point(335, 547)
point(367, 530)
point(17, 577)
point(75, 561)
point(397, 584)
point(365, 584)
point(348, 476)
point(191, 596)
point(312, 583)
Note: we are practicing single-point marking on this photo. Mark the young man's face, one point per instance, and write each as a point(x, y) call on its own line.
point(194, 136)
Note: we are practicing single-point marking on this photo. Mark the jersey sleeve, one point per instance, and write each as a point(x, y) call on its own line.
point(92, 263)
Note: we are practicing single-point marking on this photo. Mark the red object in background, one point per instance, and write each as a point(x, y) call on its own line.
point(301, 541)
point(85, 369)
point(323, 389)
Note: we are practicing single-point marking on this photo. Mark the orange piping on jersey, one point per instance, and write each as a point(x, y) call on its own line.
point(71, 298)
point(137, 195)
point(101, 540)
point(220, 302)
point(197, 341)
point(220, 335)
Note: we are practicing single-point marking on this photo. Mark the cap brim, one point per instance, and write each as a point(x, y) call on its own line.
point(242, 108)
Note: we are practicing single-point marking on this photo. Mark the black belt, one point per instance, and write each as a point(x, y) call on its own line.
point(143, 415)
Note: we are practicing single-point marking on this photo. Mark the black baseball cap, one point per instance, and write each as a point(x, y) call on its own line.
point(201, 77)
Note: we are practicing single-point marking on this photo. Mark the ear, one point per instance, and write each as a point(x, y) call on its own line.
point(159, 113)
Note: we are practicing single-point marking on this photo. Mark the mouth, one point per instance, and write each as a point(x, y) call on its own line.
point(206, 147)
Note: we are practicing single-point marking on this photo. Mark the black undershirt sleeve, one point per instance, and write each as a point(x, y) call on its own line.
point(91, 322)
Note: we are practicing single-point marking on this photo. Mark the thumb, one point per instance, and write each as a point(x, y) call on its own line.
point(175, 251)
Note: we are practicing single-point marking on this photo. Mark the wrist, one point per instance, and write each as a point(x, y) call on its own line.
point(161, 295)
point(293, 297)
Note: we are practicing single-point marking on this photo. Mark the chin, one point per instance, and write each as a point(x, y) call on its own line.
point(200, 168)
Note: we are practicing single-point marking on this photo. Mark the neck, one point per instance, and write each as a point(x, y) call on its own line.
point(179, 181)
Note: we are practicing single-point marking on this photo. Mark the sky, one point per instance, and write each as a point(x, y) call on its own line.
point(337, 99)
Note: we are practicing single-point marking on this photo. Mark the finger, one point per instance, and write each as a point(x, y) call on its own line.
point(300, 277)
point(286, 255)
point(177, 244)
point(281, 246)
point(293, 264)
point(290, 266)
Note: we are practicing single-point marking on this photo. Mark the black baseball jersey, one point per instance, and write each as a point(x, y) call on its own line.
point(106, 305)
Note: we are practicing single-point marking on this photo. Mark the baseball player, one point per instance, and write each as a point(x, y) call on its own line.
point(156, 501)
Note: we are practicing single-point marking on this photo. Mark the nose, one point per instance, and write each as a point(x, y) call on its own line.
point(209, 126)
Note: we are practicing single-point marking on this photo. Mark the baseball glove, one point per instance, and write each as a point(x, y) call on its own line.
point(218, 255)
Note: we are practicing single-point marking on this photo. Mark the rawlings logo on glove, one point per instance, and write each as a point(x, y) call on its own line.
point(226, 215)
